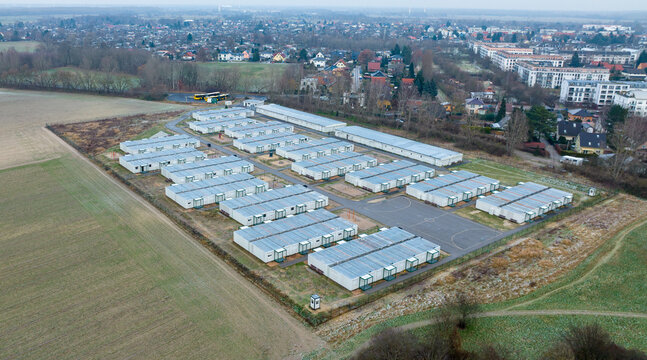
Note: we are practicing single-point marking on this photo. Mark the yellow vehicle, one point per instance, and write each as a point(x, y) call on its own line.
point(203, 96)
point(215, 98)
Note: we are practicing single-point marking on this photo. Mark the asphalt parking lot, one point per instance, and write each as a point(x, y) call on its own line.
point(455, 234)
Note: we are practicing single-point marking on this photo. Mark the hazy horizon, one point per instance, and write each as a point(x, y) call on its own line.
point(585, 6)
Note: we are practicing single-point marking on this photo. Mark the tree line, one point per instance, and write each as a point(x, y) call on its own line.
point(127, 71)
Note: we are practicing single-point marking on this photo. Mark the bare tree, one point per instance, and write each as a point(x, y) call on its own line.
point(516, 131)
point(626, 139)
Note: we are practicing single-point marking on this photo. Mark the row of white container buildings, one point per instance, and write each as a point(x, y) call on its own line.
point(400, 146)
point(314, 148)
point(384, 177)
point(273, 204)
point(361, 262)
point(524, 202)
point(215, 190)
point(276, 240)
point(219, 125)
point(207, 169)
point(300, 118)
point(258, 129)
point(140, 163)
point(222, 113)
point(155, 144)
point(452, 188)
point(323, 168)
point(269, 142)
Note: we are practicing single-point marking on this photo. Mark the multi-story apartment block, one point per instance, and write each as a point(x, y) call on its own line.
point(507, 61)
point(633, 100)
point(600, 93)
point(553, 77)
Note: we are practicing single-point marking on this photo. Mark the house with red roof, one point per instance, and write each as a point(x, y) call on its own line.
point(606, 65)
point(374, 66)
point(407, 81)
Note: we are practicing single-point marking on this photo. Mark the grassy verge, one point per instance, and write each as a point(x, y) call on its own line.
point(528, 337)
point(495, 222)
point(510, 175)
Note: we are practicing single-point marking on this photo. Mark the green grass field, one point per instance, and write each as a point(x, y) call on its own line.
point(510, 175)
point(250, 69)
point(20, 46)
point(527, 337)
point(257, 77)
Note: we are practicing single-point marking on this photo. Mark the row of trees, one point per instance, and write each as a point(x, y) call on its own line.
point(121, 71)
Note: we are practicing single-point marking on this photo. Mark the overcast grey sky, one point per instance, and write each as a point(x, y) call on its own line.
point(570, 5)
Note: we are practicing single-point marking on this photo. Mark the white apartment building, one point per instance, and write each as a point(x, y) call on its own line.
point(486, 51)
point(611, 57)
point(600, 93)
point(507, 61)
point(553, 77)
point(634, 100)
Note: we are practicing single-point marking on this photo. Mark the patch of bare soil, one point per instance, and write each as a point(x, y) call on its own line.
point(97, 136)
point(274, 161)
point(364, 224)
point(347, 190)
point(221, 139)
point(517, 270)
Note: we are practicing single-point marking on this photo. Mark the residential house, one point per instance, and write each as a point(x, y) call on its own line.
point(188, 56)
point(318, 61)
point(396, 59)
point(265, 56)
point(475, 106)
point(483, 95)
point(570, 129)
point(407, 82)
point(279, 57)
point(374, 66)
point(590, 143)
point(581, 115)
point(224, 56)
point(378, 77)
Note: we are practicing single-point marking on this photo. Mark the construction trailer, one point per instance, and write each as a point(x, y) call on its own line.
point(275, 240)
point(141, 163)
point(273, 204)
point(362, 262)
point(314, 148)
point(323, 168)
point(207, 169)
point(452, 188)
point(219, 125)
point(258, 129)
point(384, 177)
point(222, 113)
point(212, 191)
point(253, 103)
point(400, 146)
point(300, 118)
point(524, 202)
point(156, 144)
point(269, 142)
